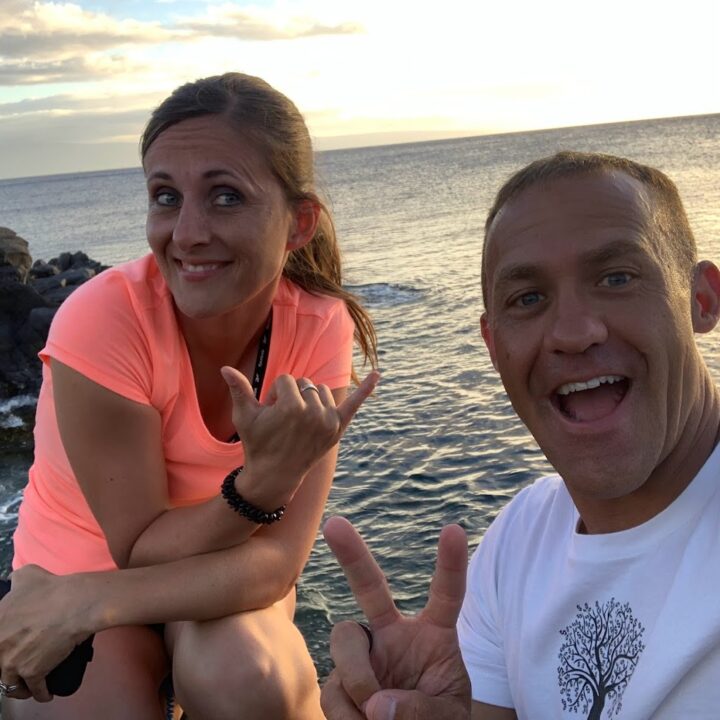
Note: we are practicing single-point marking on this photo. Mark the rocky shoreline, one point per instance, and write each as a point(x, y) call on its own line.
point(31, 291)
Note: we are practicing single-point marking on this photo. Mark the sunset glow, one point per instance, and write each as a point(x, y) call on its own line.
point(77, 80)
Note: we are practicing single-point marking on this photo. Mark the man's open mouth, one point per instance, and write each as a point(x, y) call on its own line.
point(591, 399)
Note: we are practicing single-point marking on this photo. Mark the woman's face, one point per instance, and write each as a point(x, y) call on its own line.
point(218, 221)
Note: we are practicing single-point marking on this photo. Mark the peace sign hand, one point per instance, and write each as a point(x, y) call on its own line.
point(414, 669)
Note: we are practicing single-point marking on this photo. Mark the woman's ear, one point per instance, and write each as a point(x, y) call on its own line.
point(488, 338)
point(705, 297)
point(306, 215)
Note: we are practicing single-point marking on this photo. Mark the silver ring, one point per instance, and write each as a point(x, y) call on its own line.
point(307, 385)
point(6, 689)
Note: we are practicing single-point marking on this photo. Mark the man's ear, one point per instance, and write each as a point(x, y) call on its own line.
point(306, 215)
point(488, 338)
point(705, 297)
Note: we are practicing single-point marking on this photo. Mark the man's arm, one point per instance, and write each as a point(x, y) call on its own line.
point(483, 711)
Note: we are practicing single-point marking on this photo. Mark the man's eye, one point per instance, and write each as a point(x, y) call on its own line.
point(528, 299)
point(616, 279)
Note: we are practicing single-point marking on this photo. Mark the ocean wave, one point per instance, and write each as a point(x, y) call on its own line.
point(386, 294)
point(8, 419)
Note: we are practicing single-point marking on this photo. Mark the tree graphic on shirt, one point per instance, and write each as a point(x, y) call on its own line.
point(600, 650)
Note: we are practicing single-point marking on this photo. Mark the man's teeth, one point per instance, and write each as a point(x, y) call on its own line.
point(589, 384)
point(200, 268)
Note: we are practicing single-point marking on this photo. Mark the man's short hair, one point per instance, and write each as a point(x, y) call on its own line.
point(675, 238)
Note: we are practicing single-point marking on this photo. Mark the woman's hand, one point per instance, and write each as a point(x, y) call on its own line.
point(287, 435)
point(414, 669)
point(42, 618)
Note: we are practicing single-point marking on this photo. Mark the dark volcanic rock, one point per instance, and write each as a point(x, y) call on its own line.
point(29, 297)
point(41, 269)
point(14, 252)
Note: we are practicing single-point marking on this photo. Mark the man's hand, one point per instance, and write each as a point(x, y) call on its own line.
point(414, 669)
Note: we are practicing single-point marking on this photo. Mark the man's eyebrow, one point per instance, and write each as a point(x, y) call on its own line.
point(515, 273)
point(612, 251)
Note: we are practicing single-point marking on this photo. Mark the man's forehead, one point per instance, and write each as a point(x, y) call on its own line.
point(605, 198)
point(595, 194)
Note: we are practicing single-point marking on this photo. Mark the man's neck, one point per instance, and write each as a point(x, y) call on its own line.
point(675, 472)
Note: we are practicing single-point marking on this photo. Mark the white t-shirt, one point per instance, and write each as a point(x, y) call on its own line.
point(624, 625)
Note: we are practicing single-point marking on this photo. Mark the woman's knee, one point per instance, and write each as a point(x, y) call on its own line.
point(254, 664)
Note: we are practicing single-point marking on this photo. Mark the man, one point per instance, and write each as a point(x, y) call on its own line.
point(596, 592)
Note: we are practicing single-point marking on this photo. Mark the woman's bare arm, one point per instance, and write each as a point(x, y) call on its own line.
point(115, 450)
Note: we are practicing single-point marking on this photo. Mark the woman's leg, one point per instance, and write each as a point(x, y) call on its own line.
point(253, 665)
point(121, 682)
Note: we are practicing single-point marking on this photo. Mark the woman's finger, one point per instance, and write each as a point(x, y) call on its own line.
point(352, 402)
point(38, 688)
point(245, 406)
point(13, 686)
point(366, 579)
point(326, 396)
point(309, 392)
point(447, 588)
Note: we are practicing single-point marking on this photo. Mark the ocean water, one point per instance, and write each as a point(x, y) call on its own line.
point(439, 442)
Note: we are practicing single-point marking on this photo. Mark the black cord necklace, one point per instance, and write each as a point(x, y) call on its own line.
point(260, 366)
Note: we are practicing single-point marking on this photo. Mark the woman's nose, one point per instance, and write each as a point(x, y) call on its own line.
point(191, 225)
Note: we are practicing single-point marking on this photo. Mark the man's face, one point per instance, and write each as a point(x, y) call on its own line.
point(591, 330)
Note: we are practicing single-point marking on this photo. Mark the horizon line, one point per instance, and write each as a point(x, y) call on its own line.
point(444, 135)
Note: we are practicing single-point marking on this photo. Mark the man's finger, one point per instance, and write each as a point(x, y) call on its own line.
point(364, 576)
point(447, 588)
point(351, 404)
point(335, 703)
point(413, 705)
point(350, 653)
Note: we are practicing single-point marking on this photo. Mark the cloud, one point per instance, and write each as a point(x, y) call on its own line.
point(72, 104)
point(52, 30)
point(68, 70)
point(239, 24)
point(47, 42)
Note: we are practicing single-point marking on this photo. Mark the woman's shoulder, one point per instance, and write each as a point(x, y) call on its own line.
point(135, 286)
point(303, 302)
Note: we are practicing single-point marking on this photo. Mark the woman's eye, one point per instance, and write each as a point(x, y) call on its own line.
point(616, 279)
point(166, 198)
point(228, 198)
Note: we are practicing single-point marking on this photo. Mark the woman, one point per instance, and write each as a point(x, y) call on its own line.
point(137, 427)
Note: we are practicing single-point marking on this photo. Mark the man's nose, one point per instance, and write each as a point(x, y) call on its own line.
point(574, 326)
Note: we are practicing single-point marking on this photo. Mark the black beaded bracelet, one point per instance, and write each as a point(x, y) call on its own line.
point(236, 501)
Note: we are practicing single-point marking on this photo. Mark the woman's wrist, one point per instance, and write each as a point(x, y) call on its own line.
point(88, 598)
point(240, 505)
point(267, 496)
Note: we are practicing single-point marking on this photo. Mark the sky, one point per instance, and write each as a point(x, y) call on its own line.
point(79, 79)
